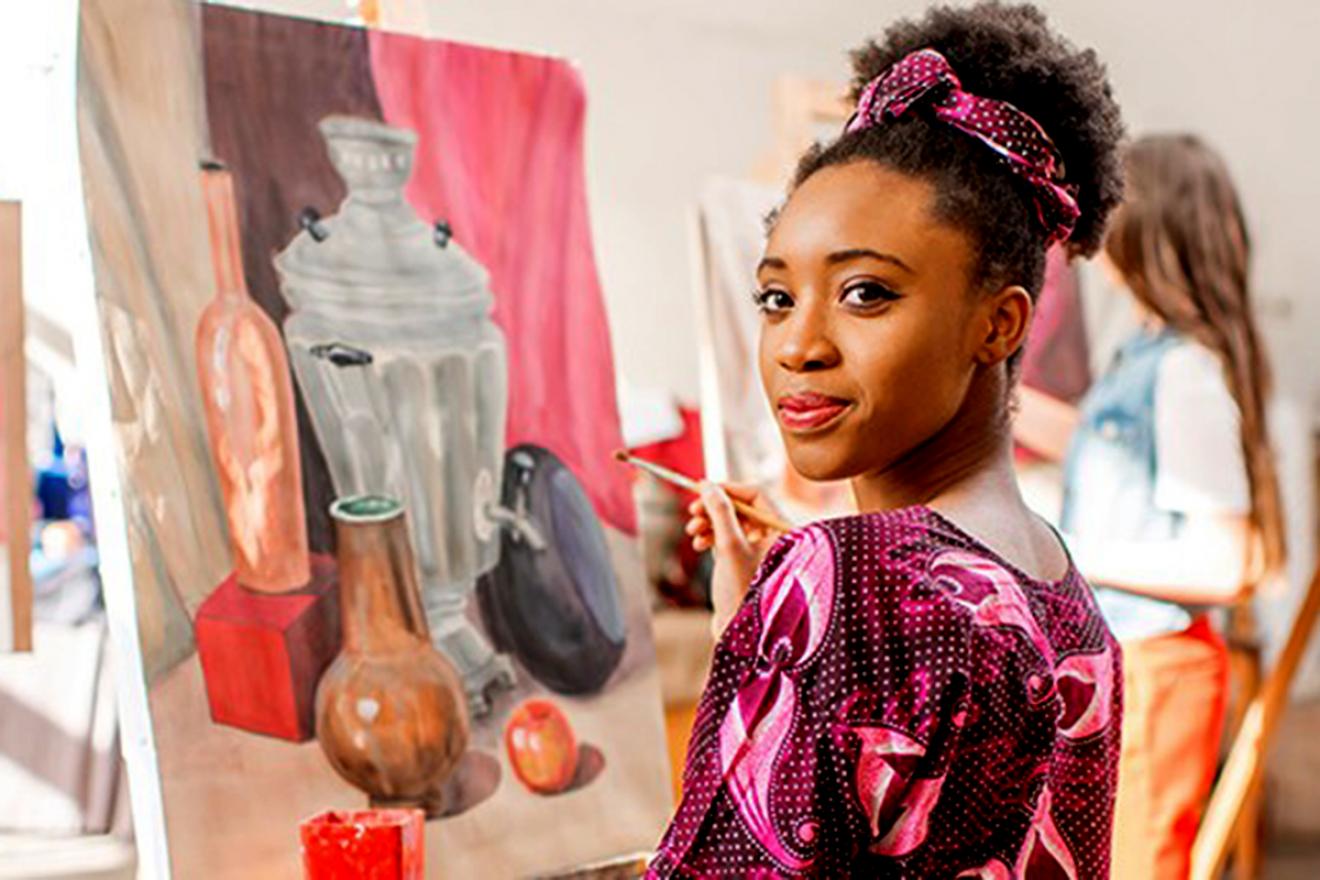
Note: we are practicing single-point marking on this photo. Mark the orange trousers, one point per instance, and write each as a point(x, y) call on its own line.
point(1175, 690)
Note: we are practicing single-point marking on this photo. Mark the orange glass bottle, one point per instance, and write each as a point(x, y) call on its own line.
point(247, 394)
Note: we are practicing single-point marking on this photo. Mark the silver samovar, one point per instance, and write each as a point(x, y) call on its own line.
point(405, 377)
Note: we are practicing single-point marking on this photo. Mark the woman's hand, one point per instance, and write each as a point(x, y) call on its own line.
point(739, 543)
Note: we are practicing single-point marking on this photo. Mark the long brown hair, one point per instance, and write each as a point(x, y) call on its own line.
point(1181, 243)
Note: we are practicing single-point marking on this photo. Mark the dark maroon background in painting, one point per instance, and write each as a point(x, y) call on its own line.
point(499, 156)
point(269, 80)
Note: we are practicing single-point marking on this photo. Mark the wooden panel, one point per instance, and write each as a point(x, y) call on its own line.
point(15, 474)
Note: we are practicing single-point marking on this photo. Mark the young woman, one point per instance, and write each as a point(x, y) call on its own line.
point(926, 688)
point(1171, 503)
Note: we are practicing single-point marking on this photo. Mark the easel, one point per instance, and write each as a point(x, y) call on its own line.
point(804, 110)
point(13, 435)
point(1236, 795)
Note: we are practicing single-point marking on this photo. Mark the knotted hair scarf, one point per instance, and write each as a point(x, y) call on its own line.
point(924, 78)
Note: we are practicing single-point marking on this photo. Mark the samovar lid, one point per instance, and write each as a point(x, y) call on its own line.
point(376, 249)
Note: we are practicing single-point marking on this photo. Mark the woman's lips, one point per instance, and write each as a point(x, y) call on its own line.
point(809, 411)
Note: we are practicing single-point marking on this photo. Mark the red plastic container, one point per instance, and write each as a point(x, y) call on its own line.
point(364, 845)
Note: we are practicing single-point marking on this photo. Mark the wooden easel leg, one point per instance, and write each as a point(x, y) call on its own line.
point(1246, 680)
point(1246, 844)
point(1246, 758)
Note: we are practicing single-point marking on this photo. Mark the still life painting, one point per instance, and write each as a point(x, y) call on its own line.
point(363, 401)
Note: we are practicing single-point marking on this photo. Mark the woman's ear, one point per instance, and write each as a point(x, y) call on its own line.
point(1006, 318)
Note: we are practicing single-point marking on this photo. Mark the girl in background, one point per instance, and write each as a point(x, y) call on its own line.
point(1171, 505)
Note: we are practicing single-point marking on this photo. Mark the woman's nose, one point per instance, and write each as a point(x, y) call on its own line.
point(806, 343)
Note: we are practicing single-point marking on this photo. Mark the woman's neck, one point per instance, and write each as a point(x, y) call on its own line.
point(971, 456)
point(965, 472)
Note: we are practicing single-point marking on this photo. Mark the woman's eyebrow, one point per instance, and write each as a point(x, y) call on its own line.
point(839, 257)
point(860, 253)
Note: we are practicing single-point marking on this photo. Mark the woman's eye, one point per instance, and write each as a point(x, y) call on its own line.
point(868, 293)
point(770, 301)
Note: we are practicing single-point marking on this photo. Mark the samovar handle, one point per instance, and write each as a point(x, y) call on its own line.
point(309, 219)
point(441, 233)
point(341, 355)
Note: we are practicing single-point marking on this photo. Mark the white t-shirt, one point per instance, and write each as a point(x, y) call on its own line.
point(1199, 466)
point(1199, 469)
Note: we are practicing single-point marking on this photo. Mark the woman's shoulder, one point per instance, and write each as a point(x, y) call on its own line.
point(915, 540)
point(865, 544)
point(912, 569)
point(1192, 361)
point(867, 585)
point(895, 565)
point(1192, 393)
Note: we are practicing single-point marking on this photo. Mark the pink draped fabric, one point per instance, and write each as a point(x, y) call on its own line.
point(500, 157)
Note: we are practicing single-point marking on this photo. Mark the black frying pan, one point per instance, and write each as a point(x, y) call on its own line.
point(556, 609)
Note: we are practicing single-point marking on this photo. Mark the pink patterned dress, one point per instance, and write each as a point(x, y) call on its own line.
point(893, 699)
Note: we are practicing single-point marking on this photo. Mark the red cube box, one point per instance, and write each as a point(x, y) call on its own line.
point(262, 654)
point(364, 845)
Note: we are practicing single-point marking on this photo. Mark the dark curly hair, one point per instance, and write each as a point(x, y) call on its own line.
point(1006, 52)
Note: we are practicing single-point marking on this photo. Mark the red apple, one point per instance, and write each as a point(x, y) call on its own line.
point(541, 746)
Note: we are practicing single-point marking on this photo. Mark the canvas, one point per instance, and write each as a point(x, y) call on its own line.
point(363, 398)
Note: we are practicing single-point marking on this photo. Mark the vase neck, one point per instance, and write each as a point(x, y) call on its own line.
point(381, 604)
point(222, 224)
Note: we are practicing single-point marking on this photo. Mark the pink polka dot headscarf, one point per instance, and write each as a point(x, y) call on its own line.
point(925, 77)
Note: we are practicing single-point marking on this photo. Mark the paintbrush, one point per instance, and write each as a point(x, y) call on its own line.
point(769, 520)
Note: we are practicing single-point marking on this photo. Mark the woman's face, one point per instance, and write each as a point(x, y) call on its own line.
point(870, 335)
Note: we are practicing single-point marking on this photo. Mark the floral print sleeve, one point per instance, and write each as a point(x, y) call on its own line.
point(893, 700)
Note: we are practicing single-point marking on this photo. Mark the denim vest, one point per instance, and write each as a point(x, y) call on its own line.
point(1109, 478)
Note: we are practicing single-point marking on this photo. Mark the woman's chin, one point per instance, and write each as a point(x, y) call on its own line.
point(815, 461)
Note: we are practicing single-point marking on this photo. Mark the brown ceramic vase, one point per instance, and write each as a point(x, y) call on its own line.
point(390, 711)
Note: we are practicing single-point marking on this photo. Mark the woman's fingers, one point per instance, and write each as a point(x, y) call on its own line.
point(753, 496)
point(724, 521)
point(701, 528)
point(748, 492)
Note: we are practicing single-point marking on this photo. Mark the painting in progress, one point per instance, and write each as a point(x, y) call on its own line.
point(363, 396)
point(15, 475)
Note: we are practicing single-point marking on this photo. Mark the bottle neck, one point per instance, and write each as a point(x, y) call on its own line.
point(380, 602)
point(222, 224)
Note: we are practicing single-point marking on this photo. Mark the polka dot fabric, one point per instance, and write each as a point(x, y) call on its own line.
point(925, 78)
point(895, 700)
